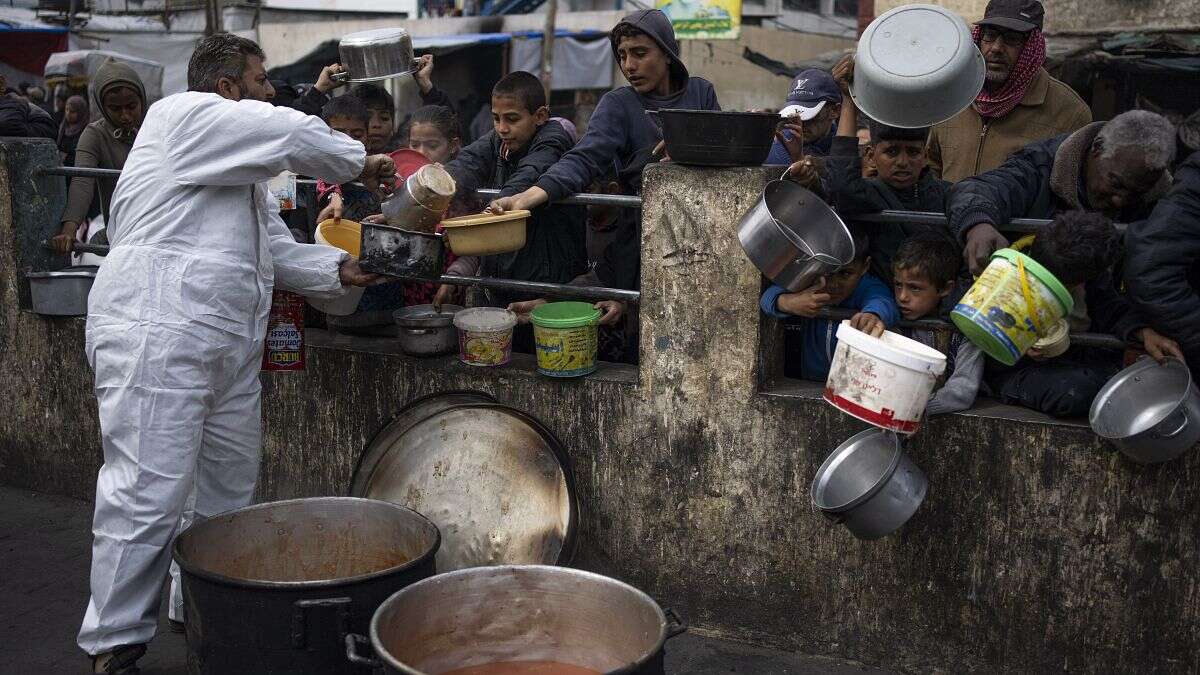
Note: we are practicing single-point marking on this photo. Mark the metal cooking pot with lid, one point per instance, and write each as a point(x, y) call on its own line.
point(1151, 412)
point(793, 237)
point(916, 66)
point(379, 54)
point(536, 613)
point(274, 588)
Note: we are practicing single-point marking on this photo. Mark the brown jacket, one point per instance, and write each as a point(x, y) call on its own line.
point(102, 144)
point(964, 146)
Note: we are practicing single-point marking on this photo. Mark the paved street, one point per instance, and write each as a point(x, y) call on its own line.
point(44, 555)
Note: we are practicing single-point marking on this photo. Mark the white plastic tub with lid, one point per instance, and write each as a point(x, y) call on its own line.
point(885, 381)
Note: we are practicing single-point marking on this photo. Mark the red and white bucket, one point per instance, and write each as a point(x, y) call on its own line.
point(885, 381)
point(283, 348)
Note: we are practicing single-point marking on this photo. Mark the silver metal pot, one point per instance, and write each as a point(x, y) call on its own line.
point(374, 55)
point(869, 484)
point(421, 202)
point(61, 293)
point(424, 331)
point(401, 253)
point(519, 613)
point(793, 237)
point(1151, 412)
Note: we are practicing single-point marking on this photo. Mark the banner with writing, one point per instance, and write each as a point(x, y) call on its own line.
point(704, 19)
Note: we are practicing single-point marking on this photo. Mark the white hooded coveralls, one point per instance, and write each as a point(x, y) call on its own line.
point(175, 329)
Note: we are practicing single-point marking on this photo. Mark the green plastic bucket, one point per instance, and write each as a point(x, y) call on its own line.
point(565, 335)
point(995, 313)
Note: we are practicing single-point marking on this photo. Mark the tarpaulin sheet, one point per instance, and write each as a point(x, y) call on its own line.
point(577, 64)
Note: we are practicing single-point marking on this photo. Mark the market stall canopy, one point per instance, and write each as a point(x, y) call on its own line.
point(26, 44)
point(78, 68)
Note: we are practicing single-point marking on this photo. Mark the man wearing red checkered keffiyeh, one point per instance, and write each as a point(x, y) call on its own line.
point(1020, 103)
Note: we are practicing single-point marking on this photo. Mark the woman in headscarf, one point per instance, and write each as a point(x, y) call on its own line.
point(75, 120)
point(119, 94)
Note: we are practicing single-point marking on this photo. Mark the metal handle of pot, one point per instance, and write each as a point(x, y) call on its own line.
point(417, 331)
point(341, 78)
point(300, 612)
point(352, 655)
point(675, 625)
point(1178, 430)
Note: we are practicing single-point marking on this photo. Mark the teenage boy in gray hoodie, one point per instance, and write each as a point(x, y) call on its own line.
point(645, 47)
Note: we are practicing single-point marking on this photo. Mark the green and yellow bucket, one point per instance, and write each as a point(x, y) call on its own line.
point(565, 335)
point(1013, 303)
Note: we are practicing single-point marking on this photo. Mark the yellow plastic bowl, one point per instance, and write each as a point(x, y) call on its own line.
point(343, 234)
point(486, 234)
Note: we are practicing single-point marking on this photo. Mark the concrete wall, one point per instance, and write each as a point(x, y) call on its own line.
point(1038, 548)
point(1089, 16)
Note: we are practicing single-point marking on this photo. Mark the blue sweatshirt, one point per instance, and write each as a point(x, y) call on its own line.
point(810, 342)
point(779, 155)
point(617, 130)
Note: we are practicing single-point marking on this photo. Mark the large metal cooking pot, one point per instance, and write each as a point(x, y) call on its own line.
point(374, 55)
point(274, 588)
point(493, 615)
point(425, 331)
point(62, 293)
point(497, 483)
point(916, 66)
point(793, 237)
point(717, 137)
point(869, 484)
point(402, 253)
point(1151, 412)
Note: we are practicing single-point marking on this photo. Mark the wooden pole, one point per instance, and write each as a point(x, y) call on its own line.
point(548, 47)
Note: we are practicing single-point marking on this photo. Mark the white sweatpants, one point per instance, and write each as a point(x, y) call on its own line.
point(179, 410)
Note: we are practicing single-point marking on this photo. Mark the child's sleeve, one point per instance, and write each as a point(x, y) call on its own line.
point(877, 299)
point(326, 190)
point(768, 300)
point(543, 155)
point(473, 165)
point(849, 192)
point(962, 386)
point(607, 133)
point(464, 266)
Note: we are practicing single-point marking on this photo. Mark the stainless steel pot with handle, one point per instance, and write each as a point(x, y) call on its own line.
point(1151, 412)
point(374, 55)
point(869, 484)
point(425, 331)
point(793, 237)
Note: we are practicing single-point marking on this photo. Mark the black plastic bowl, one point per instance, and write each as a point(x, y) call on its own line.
point(716, 138)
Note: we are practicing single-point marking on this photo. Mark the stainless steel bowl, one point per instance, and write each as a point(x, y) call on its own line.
point(374, 55)
point(869, 484)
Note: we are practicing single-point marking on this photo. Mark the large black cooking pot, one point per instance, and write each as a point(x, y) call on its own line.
point(488, 615)
point(275, 588)
point(717, 138)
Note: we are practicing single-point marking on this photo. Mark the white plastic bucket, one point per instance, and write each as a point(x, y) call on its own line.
point(343, 235)
point(885, 381)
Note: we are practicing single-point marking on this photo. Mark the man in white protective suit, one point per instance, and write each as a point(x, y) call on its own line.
point(177, 316)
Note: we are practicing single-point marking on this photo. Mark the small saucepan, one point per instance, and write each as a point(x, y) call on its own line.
point(425, 331)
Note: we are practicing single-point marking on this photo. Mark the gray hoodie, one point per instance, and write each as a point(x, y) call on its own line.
point(102, 144)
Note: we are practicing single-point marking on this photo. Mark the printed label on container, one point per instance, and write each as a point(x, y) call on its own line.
point(283, 348)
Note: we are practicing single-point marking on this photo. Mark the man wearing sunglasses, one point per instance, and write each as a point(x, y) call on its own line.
point(1019, 104)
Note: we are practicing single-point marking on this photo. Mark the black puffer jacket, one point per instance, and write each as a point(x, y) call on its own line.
point(1038, 181)
point(19, 119)
point(1162, 262)
point(555, 245)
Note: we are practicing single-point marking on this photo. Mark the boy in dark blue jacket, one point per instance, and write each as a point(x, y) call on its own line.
point(645, 47)
point(809, 341)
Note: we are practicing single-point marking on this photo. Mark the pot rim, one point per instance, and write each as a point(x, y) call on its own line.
point(224, 580)
point(839, 453)
point(1121, 378)
point(793, 238)
point(392, 662)
point(443, 319)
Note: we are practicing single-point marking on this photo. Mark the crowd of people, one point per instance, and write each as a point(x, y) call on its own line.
point(178, 310)
point(1026, 148)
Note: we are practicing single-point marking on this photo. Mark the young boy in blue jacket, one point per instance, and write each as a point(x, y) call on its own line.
point(645, 47)
point(809, 341)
